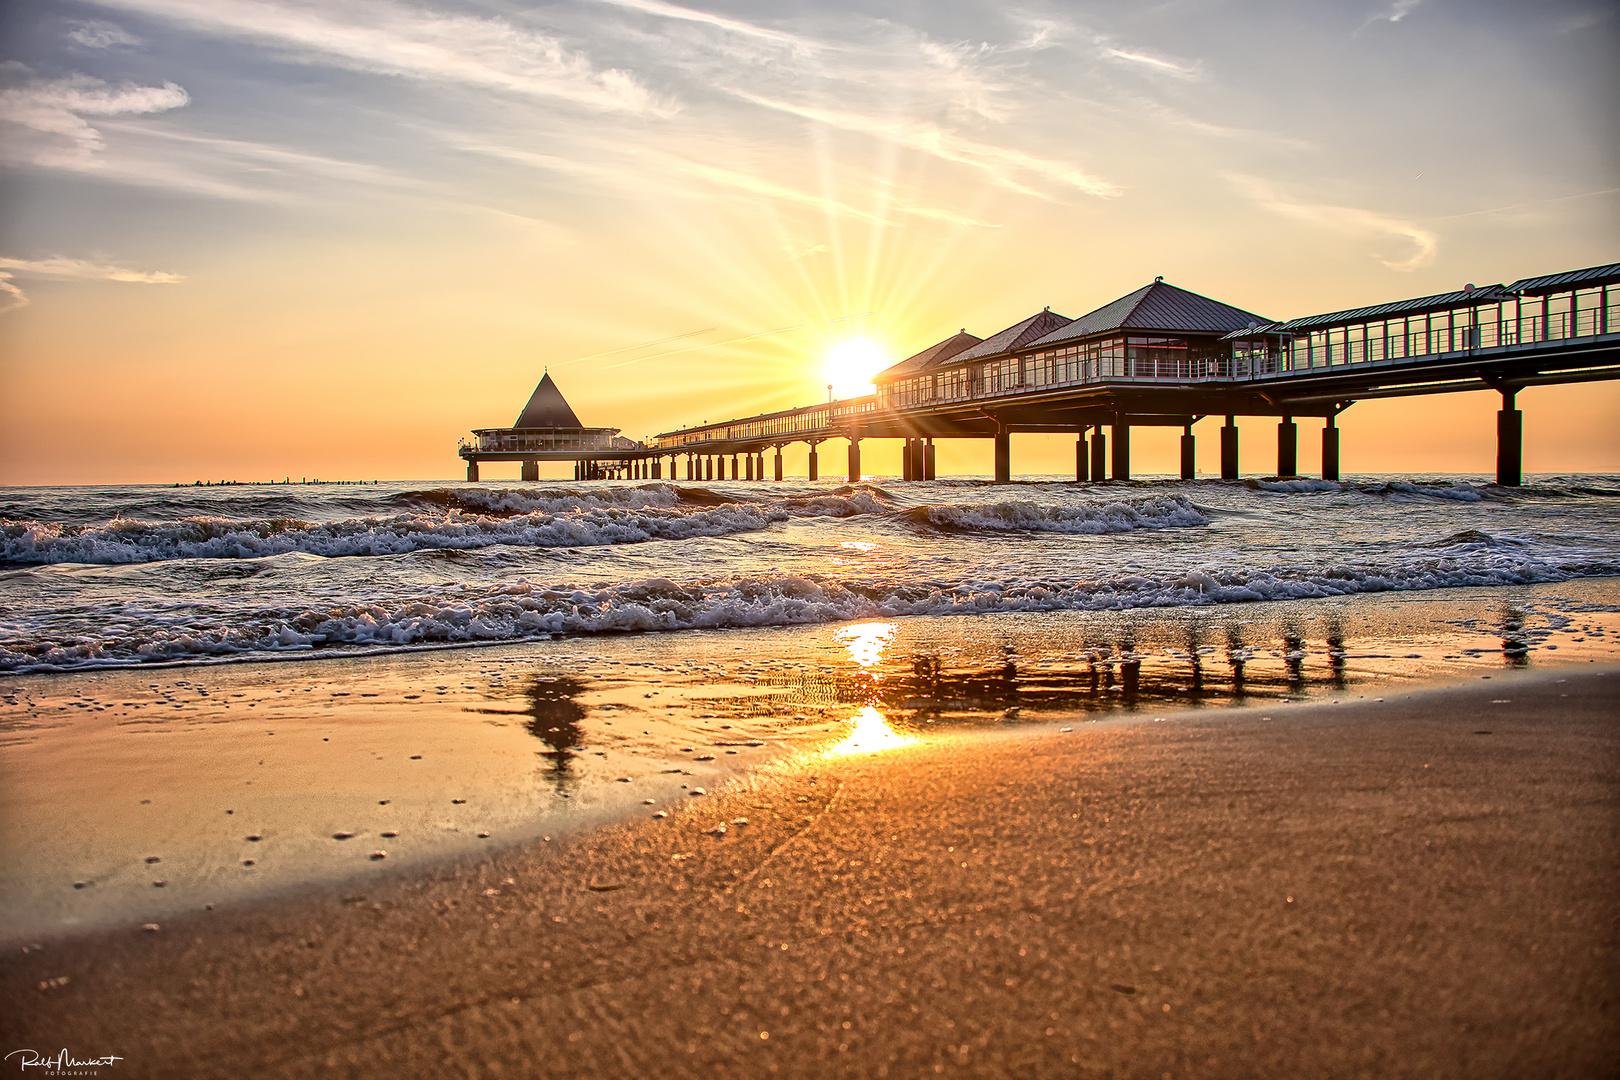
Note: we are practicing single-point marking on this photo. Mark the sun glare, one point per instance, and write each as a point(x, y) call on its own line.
point(850, 365)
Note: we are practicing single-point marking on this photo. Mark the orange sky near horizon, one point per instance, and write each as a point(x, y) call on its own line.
point(269, 239)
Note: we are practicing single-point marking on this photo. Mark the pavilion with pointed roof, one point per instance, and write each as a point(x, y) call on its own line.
point(548, 430)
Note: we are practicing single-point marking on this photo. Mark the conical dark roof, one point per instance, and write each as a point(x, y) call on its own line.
point(932, 356)
point(1156, 307)
point(1017, 335)
point(547, 409)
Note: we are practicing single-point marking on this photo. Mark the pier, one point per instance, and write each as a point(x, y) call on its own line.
point(1161, 356)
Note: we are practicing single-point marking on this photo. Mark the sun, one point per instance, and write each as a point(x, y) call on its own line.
point(850, 365)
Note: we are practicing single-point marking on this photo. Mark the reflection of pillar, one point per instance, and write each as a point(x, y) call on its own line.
point(1509, 442)
point(1099, 454)
point(1122, 448)
point(472, 471)
point(1189, 446)
point(1229, 449)
point(779, 463)
point(1082, 458)
point(928, 460)
point(1288, 447)
point(811, 473)
point(1003, 456)
point(531, 470)
point(854, 460)
point(1330, 451)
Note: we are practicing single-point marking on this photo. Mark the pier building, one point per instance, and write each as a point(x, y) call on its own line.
point(1160, 356)
point(548, 430)
point(1165, 356)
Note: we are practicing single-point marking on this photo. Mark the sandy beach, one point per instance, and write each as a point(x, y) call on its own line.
point(1415, 886)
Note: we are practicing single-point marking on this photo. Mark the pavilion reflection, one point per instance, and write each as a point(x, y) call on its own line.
point(555, 715)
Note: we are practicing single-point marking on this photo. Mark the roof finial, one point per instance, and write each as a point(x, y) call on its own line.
point(1158, 279)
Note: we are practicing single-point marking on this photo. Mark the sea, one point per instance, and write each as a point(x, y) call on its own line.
point(97, 577)
point(211, 694)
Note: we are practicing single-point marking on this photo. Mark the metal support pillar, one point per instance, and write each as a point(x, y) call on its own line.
point(472, 472)
point(748, 462)
point(1099, 454)
point(658, 468)
point(708, 467)
point(759, 466)
point(1003, 456)
point(854, 460)
point(811, 473)
point(1509, 442)
point(916, 456)
point(1229, 449)
point(1330, 451)
point(905, 461)
point(1082, 458)
point(1122, 449)
point(1287, 447)
point(928, 460)
point(778, 463)
point(531, 470)
point(1189, 455)
point(735, 475)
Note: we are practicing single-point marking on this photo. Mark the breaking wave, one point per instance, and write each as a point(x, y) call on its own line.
point(1120, 515)
point(526, 610)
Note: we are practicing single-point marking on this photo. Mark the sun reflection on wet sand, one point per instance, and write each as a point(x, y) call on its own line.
point(865, 642)
point(869, 729)
point(869, 733)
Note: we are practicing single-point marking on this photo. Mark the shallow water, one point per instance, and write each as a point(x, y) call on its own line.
point(107, 769)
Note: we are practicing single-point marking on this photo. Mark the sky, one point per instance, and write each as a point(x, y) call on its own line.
point(251, 239)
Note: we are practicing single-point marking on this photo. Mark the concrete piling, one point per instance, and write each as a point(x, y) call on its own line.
point(1122, 449)
point(1287, 447)
point(1509, 441)
point(1189, 457)
point(1330, 451)
point(1229, 449)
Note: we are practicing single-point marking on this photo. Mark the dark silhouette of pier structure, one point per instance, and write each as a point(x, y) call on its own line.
point(1166, 357)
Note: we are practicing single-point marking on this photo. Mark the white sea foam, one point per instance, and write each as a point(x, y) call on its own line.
point(1120, 515)
point(524, 609)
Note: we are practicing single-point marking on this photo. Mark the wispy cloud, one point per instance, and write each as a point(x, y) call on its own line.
point(391, 39)
point(51, 115)
point(1002, 164)
point(100, 34)
point(1396, 11)
point(1347, 220)
point(61, 268)
point(735, 26)
point(1141, 58)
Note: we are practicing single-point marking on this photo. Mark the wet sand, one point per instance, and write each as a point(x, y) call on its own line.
point(127, 796)
point(1420, 886)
